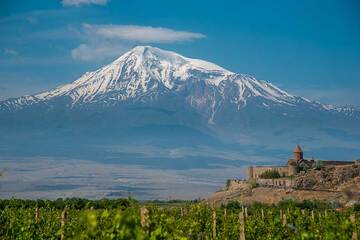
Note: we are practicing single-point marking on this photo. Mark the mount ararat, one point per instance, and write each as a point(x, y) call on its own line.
point(150, 96)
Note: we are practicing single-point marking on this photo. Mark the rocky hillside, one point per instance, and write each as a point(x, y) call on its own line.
point(330, 183)
point(328, 177)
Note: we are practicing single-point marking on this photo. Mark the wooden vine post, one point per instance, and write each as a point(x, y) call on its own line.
point(262, 214)
point(242, 225)
point(312, 215)
point(144, 218)
point(225, 215)
point(214, 224)
point(63, 220)
point(246, 212)
point(284, 221)
point(353, 220)
point(37, 214)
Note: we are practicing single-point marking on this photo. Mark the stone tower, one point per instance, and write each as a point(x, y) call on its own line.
point(298, 153)
point(250, 172)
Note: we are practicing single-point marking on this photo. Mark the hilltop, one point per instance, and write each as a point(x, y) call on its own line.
point(301, 180)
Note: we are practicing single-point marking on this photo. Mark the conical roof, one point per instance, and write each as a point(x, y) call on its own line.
point(297, 149)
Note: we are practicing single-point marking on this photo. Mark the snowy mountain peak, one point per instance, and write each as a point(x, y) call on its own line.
point(148, 74)
point(142, 70)
point(153, 54)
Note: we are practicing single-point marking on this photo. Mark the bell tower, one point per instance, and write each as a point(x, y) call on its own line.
point(298, 153)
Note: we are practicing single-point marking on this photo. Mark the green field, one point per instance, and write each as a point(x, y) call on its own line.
point(129, 219)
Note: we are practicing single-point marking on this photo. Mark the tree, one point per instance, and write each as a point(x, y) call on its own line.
point(270, 174)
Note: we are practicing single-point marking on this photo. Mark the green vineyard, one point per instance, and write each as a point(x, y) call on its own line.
point(128, 219)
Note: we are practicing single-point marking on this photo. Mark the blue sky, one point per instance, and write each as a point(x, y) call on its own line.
point(309, 48)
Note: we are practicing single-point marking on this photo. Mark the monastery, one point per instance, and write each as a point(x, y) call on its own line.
point(283, 176)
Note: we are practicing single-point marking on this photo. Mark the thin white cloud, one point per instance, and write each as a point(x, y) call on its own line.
point(97, 51)
point(10, 52)
point(105, 41)
point(141, 33)
point(77, 3)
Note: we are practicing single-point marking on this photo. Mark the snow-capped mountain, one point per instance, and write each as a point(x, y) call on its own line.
point(149, 75)
point(158, 98)
point(148, 70)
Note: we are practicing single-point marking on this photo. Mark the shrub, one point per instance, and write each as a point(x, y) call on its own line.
point(228, 183)
point(270, 174)
point(357, 207)
point(234, 205)
point(253, 183)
